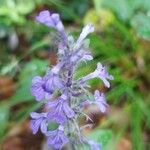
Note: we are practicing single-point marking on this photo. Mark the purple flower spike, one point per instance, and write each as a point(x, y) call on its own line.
point(57, 138)
point(65, 97)
point(100, 101)
point(37, 88)
point(38, 121)
point(60, 110)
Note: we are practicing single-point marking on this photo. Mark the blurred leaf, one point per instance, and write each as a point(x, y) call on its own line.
point(122, 8)
point(14, 11)
point(141, 24)
point(9, 67)
point(97, 4)
point(136, 125)
point(24, 112)
point(79, 6)
point(4, 115)
point(146, 4)
point(125, 9)
point(66, 11)
point(125, 88)
point(30, 5)
point(31, 69)
point(101, 18)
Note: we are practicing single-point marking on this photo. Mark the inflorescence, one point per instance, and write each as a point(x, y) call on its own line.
point(64, 97)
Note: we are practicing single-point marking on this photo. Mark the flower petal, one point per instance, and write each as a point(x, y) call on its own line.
point(43, 126)
point(96, 94)
point(37, 88)
point(106, 83)
point(34, 125)
point(94, 145)
point(68, 111)
point(89, 28)
point(35, 115)
point(57, 139)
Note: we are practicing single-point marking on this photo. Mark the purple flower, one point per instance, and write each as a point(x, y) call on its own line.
point(60, 110)
point(87, 57)
point(89, 28)
point(52, 82)
point(38, 121)
point(52, 20)
point(43, 87)
point(57, 138)
point(100, 72)
point(81, 55)
point(100, 101)
point(94, 145)
point(37, 88)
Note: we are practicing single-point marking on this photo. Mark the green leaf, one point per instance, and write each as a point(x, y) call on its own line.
point(122, 8)
point(30, 5)
point(33, 68)
point(141, 24)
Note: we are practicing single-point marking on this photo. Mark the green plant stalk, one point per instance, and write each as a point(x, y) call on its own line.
point(136, 125)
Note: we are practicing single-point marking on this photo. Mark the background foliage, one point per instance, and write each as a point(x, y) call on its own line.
point(121, 42)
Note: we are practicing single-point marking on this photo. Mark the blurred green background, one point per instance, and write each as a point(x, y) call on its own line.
point(121, 42)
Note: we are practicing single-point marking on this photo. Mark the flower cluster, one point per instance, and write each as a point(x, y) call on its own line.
point(64, 97)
